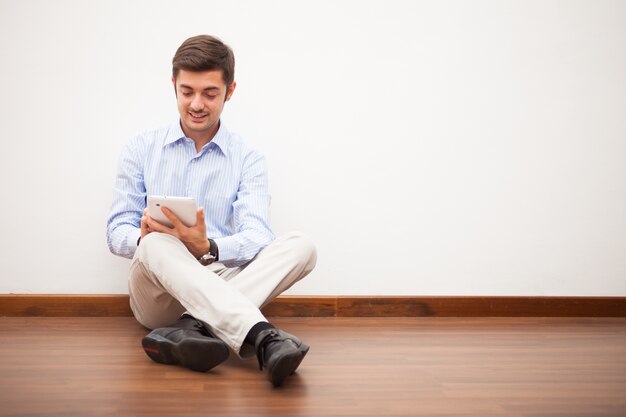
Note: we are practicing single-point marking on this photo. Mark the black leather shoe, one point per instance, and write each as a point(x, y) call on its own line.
point(186, 343)
point(280, 353)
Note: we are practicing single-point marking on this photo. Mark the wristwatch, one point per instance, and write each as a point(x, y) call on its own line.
point(211, 256)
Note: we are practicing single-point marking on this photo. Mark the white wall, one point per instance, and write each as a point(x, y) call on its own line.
point(428, 147)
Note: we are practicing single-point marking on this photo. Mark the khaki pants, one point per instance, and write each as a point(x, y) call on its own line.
point(167, 281)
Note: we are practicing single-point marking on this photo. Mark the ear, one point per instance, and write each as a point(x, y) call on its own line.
point(230, 91)
point(174, 83)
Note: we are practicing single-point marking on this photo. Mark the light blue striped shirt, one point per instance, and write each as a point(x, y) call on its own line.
point(227, 177)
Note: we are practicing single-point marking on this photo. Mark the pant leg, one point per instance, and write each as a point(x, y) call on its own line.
point(151, 304)
point(276, 268)
point(163, 269)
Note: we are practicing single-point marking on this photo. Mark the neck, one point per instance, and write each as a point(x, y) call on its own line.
point(201, 138)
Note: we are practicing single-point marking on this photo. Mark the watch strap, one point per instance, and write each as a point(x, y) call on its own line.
point(214, 250)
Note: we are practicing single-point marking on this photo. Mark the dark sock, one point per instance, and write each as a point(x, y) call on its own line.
point(186, 316)
point(255, 330)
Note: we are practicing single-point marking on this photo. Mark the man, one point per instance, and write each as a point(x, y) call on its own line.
point(201, 287)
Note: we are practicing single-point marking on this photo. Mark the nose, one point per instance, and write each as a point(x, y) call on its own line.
point(196, 103)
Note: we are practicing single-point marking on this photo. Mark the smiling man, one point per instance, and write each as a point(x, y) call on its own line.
point(201, 288)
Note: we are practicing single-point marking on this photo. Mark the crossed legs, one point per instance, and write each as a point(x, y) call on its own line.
point(167, 281)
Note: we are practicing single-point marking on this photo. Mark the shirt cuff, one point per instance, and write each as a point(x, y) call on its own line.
point(133, 237)
point(229, 248)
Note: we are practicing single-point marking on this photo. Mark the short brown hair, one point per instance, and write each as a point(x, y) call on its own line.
point(205, 53)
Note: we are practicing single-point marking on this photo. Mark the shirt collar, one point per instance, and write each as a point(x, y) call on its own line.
point(175, 133)
point(221, 139)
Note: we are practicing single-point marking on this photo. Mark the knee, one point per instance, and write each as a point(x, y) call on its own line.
point(303, 249)
point(145, 244)
point(151, 239)
point(155, 243)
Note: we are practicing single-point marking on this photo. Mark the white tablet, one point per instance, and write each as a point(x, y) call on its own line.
point(183, 207)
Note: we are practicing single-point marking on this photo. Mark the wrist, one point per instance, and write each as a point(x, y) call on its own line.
point(203, 249)
point(210, 255)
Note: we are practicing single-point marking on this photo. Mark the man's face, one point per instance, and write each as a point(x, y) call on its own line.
point(200, 97)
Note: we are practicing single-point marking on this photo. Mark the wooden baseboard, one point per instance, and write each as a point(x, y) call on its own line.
point(116, 305)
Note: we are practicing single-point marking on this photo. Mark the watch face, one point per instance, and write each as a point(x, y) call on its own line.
point(207, 259)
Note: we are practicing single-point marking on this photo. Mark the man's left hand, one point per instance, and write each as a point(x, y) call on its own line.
point(194, 237)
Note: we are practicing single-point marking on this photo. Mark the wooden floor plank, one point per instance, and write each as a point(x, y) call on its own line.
point(526, 367)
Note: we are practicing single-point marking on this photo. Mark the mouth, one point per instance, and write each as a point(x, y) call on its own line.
point(197, 117)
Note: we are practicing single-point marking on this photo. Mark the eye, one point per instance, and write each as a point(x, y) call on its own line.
point(186, 94)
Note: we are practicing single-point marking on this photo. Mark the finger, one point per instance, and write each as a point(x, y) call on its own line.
point(172, 218)
point(144, 226)
point(155, 226)
point(200, 217)
point(144, 219)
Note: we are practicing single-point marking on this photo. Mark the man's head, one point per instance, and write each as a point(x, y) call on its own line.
point(205, 53)
point(203, 71)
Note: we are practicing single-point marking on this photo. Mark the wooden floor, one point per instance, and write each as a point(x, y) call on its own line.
point(356, 367)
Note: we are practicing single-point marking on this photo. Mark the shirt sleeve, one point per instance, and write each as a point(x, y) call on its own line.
point(129, 200)
point(251, 214)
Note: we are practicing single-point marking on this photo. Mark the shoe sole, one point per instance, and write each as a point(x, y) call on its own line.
point(287, 365)
point(196, 354)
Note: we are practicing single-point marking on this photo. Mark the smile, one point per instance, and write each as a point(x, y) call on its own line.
point(197, 117)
